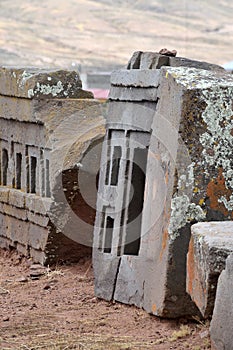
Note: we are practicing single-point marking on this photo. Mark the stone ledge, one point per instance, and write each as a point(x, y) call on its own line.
point(15, 212)
point(4, 194)
point(37, 204)
point(39, 83)
point(136, 78)
point(17, 198)
point(133, 94)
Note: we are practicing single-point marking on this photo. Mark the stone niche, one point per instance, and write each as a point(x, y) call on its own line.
point(48, 126)
point(166, 164)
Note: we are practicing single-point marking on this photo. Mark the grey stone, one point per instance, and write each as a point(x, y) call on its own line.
point(3, 224)
point(209, 247)
point(178, 161)
point(22, 249)
point(15, 212)
point(34, 83)
point(185, 62)
point(160, 62)
point(40, 220)
point(135, 78)
point(17, 230)
point(5, 243)
point(147, 60)
point(131, 115)
point(37, 236)
point(38, 256)
point(37, 204)
point(129, 288)
point(4, 195)
point(134, 62)
point(48, 126)
point(222, 321)
point(17, 198)
point(105, 272)
point(132, 94)
point(98, 80)
point(155, 60)
point(184, 184)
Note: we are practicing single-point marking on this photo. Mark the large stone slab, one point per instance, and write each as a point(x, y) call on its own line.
point(222, 321)
point(209, 247)
point(135, 78)
point(48, 126)
point(44, 83)
point(187, 174)
point(187, 180)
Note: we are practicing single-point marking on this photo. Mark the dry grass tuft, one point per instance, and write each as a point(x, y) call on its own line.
point(183, 332)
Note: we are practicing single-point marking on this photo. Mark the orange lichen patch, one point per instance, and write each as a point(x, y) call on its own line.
point(164, 243)
point(190, 267)
point(154, 308)
point(215, 190)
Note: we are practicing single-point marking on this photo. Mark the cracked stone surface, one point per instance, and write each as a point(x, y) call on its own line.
point(185, 181)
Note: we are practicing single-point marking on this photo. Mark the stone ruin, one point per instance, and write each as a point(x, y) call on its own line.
point(166, 165)
point(48, 124)
point(163, 229)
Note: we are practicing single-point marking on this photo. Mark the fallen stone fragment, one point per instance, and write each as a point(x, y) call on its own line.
point(222, 321)
point(210, 245)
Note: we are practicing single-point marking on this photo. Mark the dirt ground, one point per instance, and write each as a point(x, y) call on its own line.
point(59, 310)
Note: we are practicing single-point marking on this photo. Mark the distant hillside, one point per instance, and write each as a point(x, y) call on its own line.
point(104, 33)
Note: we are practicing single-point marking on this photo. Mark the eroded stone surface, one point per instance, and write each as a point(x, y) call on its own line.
point(44, 83)
point(48, 125)
point(209, 247)
point(221, 325)
point(186, 181)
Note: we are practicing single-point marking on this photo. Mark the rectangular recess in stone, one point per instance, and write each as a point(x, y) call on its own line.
point(47, 178)
point(5, 161)
point(18, 170)
point(27, 170)
point(133, 227)
point(108, 161)
point(39, 83)
point(102, 229)
point(42, 172)
point(108, 234)
point(120, 249)
point(115, 165)
point(33, 166)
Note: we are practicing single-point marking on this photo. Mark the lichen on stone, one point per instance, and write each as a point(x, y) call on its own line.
point(182, 213)
point(46, 89)
point(217, 141)
point(24, 77)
